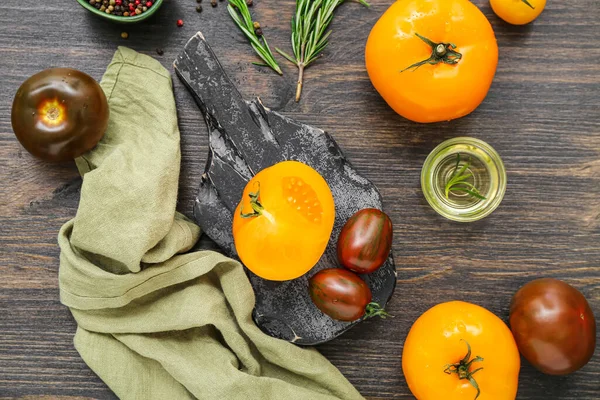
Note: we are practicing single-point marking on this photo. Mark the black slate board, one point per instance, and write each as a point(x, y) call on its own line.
point(244, 138)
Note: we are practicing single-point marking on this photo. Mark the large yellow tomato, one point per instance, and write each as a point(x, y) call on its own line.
point(432, 60)
point(282, 225)
point(461, 351)
point(518, 12)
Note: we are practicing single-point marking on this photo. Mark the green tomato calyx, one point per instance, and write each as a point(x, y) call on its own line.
point(462, 368)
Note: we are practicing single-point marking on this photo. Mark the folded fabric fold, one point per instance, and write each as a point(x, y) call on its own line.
point(154, 321)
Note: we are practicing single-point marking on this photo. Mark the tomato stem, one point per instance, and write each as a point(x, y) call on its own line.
point(440, 52)
point(528, 3)
point(462, 367)
point(375, 310)
point(257, 208)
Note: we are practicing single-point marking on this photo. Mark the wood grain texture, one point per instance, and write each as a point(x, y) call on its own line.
point(542, 116)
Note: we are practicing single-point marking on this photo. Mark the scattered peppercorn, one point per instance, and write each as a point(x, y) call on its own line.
point(213, 3)
point(122, 8)
point(160, 51)
point(258, 32)
point(198, 1)
point(124, 35)
point(249, 3)
point(180, 23)
point(199, 8)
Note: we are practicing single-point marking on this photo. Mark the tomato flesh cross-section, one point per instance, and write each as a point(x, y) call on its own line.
point(302, 198)
point(284, 221)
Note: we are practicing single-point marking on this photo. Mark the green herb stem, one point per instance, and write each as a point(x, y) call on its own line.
point(457, 181)
point(309, 33)
point(238, 9)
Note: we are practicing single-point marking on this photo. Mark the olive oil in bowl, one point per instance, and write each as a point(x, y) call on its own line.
point(463, 179)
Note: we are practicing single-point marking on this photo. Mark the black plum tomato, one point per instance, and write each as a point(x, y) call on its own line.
point(340, 294)
point(553, 325)
point(365, 241)
point(59, 114)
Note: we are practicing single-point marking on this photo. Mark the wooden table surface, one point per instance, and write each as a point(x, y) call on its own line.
point(542, 115)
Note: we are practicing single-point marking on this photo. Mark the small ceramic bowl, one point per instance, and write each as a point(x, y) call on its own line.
point(125, 20)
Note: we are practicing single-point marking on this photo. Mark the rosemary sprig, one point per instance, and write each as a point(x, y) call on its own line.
point(309, 33)
point(238, 9)
point(457, 181)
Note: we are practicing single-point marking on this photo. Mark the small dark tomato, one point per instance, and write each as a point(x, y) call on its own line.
point(59, 114)
point(343, 295)
point(553, 325)
point(365, 241)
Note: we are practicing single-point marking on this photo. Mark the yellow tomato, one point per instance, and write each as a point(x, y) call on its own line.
point(458, 351)
point(518, 12)
point(282, 225)
point(432, 60)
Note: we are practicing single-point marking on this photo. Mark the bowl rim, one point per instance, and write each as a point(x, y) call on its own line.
point(126, 20)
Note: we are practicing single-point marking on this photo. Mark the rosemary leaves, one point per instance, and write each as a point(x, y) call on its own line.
point(238, 9)
point(309, 33)
point(458, 181)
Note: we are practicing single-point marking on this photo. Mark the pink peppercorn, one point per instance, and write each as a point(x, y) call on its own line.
point(180, 23)
point(148, 4)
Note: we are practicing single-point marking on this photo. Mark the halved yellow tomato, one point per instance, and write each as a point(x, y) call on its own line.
point(283, 222)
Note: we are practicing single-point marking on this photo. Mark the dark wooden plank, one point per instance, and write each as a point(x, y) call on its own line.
point(541, 115)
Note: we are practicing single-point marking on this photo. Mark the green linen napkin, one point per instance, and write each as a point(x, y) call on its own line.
point(153, 321)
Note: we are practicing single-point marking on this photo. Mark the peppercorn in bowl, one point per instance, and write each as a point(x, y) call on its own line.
point(126, 11)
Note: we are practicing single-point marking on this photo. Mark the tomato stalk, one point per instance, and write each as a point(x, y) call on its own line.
point(528, 3)
point(462, 368)
point(375, 310)
point(257, 207)
point(440, 52)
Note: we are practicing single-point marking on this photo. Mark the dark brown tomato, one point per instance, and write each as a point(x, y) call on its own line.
point(59, 114)
point(553, 325)
point(340, 294)
point(365, 241)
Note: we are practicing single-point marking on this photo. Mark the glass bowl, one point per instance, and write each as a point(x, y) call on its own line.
point(485, 176)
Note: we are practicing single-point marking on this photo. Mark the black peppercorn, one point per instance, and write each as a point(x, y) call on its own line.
point(249, 3)
point(213, 3)
point(160, 52)
point(199, 8)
